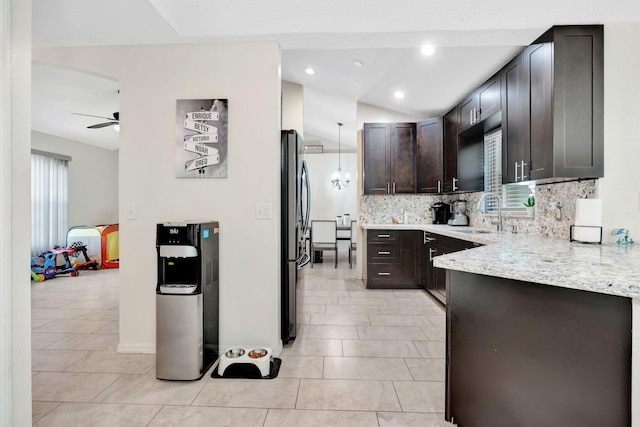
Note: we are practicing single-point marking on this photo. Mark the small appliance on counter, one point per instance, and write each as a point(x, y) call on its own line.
point(459, 216)
point(440, 213)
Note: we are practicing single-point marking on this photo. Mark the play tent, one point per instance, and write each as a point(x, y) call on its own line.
point(102, 242)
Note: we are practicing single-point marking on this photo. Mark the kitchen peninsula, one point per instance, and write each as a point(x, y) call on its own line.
point(539, 331)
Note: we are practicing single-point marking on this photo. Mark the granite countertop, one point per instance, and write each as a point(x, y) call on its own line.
point(606, 269)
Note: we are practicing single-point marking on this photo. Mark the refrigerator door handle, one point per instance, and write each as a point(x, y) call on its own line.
point(305, 172)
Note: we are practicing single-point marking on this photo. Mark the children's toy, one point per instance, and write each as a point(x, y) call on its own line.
point(102, 242)
point(37, 277)
point(44, 265)
point(74, 251)
point(79, 250)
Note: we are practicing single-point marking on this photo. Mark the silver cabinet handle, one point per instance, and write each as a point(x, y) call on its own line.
point(431, 252)
point(388, 188)
point(384, 274)
point(394, 187)
point(477, 114)
point(522, 165)
point(384, 236)
point(439, 186)
point(384, 253)
point(516, 172)
point(455, 187)
point(428, 238)
point(470, 117)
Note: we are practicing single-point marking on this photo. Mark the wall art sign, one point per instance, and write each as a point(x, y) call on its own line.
point(201, 138)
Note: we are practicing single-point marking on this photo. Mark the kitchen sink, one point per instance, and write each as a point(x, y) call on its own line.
point(472, 231)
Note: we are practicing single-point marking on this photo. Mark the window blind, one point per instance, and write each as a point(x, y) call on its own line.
point(49, 202)
point(512, 196)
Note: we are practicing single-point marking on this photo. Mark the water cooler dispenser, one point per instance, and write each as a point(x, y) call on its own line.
point(187, 297)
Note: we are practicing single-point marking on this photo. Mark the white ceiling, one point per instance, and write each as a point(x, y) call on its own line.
point(473, 40)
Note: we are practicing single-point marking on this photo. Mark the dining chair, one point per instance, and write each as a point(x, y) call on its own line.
point(354, 240)
point(324, 238)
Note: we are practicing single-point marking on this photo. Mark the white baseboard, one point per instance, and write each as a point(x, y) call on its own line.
point(149, 348)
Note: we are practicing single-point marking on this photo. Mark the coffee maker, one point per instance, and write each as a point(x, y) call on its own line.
point(459, 217)
point(440, 213)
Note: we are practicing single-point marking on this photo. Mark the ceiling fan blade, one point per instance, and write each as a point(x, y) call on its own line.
point(98, 117)
point(101, 125)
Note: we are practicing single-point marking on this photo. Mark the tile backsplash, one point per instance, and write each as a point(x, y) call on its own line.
point(548, 220)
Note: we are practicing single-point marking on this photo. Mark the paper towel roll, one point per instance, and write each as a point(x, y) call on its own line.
point(589, 213)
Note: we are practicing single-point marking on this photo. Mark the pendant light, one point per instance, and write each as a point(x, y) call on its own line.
point(337, 180)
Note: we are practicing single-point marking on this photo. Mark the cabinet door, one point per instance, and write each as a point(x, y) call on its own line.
point(515, 145)
point(467, 112)
point(403, 158)
point(429, 162)
point(538, 64)
point(578, 102)
point(450, 147)
point(410, 245)
point(377, 158)
point(489, 98)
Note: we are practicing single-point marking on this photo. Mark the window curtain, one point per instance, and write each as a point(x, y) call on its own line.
point(49, 202)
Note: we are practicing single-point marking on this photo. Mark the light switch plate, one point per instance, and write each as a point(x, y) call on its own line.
point(263, 211)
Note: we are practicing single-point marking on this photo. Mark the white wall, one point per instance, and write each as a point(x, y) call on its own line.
point(620, 188)
point(151, 79)
point(326, 201)
point(93, 179)
point(368, 113)
point(293, 106)
point(15, 302)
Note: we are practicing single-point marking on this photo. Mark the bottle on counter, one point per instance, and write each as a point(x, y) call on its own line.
point(346, 219)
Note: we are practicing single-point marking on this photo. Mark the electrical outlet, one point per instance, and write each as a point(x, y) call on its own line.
point(130, 211)
point(263, 211)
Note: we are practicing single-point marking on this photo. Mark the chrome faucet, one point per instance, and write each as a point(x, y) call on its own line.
point(498, 222)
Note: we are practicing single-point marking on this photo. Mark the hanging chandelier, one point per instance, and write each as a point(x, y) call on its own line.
point(337, 179)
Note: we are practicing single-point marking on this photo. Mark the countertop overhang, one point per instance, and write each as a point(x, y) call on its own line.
point(607, 268)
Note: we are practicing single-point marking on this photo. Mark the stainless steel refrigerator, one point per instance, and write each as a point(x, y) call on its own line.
point(295, 208)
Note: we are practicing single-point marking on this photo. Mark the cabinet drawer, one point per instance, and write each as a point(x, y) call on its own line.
point(382, 236)
point(381, 252)
point(389, 272)
point(390, 276)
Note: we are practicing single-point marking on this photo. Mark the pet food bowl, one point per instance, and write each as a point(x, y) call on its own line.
point(259, 357)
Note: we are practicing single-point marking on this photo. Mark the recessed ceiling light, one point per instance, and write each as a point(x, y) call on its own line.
point(398, 94)
point(428, 49)
point(358, 63)
point(309, 71)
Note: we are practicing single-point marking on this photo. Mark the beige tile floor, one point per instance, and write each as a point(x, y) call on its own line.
point(362, 357)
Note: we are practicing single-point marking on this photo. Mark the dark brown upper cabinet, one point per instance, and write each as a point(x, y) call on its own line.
point(450, 149)
point(389, 158)
point(480, 104)
point(403, 158)
point(515, 147)
point(429, 161)
point(564, 104)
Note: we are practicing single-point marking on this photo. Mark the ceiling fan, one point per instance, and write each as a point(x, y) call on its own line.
point(115, 120)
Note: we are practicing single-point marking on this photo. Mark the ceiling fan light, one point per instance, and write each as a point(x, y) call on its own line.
point(428, 49)
point(116, 128)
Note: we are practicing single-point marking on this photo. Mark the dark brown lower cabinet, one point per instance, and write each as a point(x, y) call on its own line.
point(434, 279)
point(526, 354)
point(393, 259)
